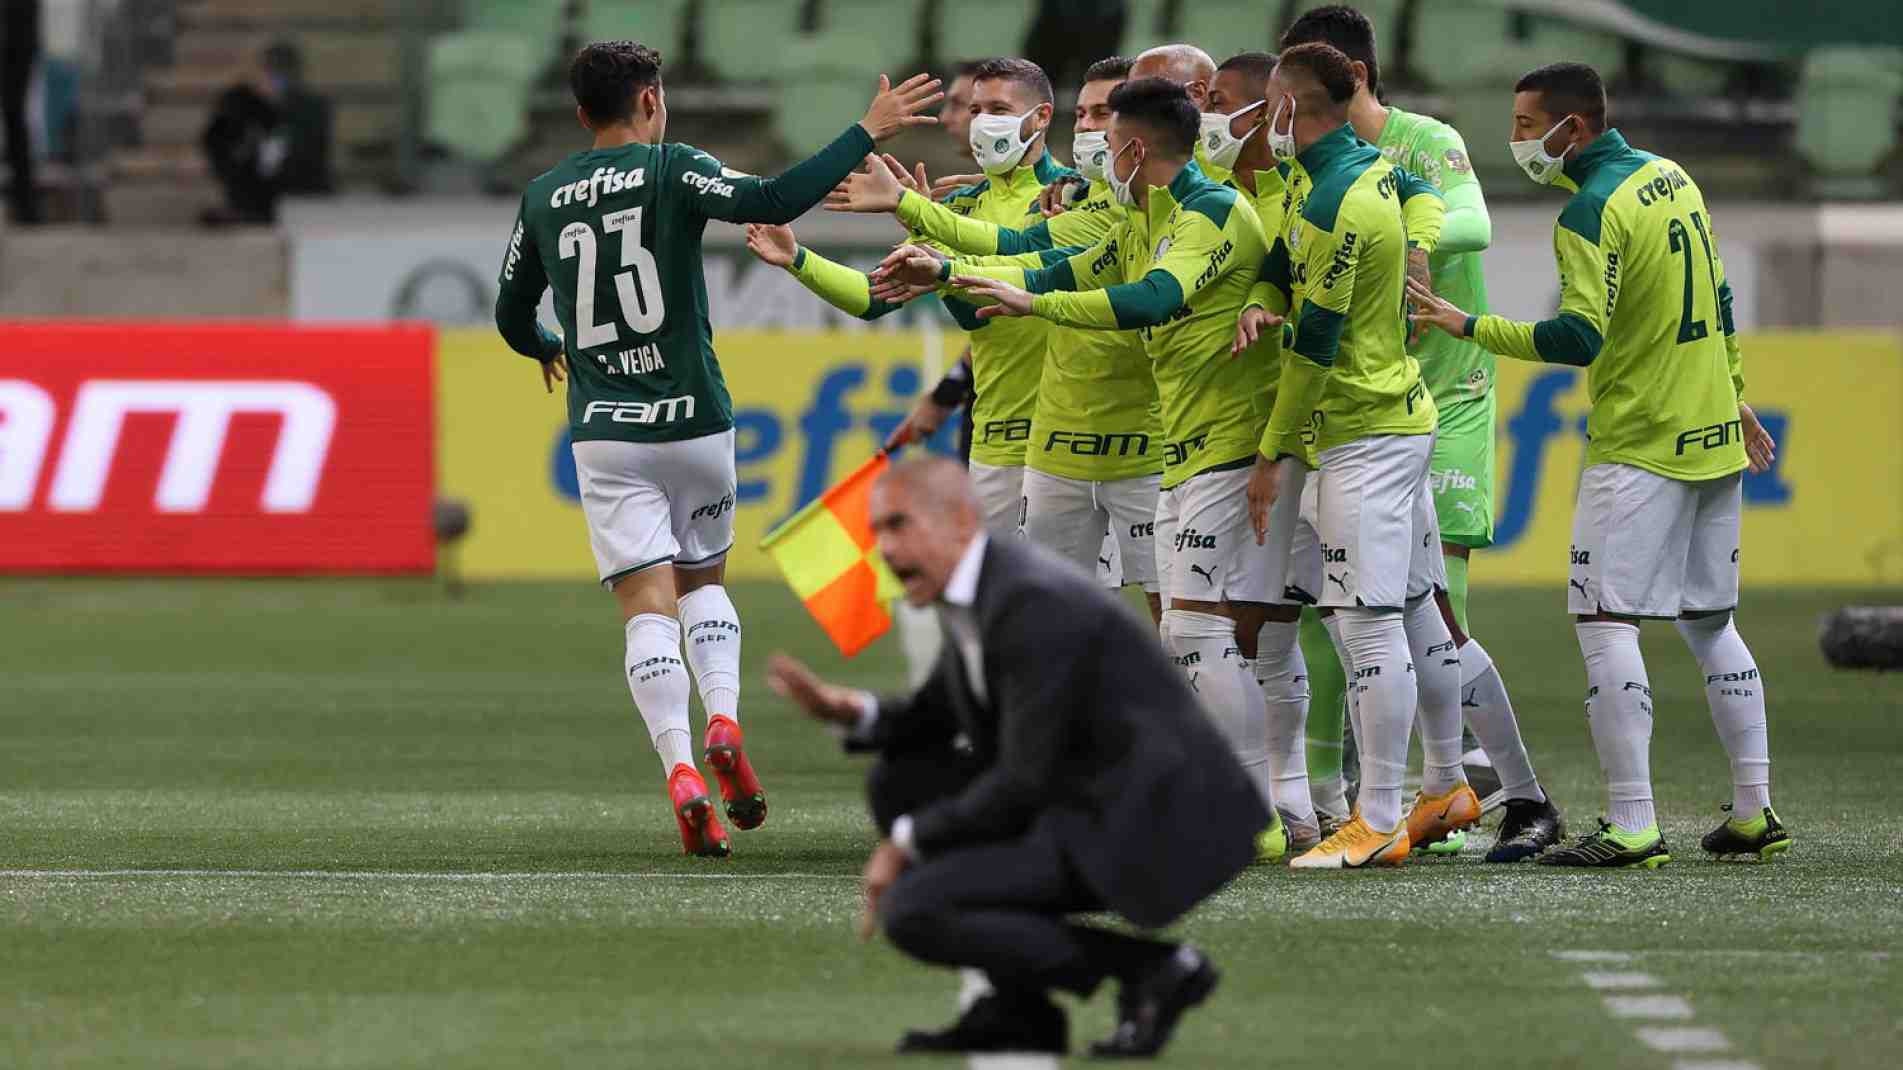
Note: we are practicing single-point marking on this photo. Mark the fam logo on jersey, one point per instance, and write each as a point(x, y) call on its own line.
point(664, 411)
point(708, 185)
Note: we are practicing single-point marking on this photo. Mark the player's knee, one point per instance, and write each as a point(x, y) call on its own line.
point(913, 923)
point(1704, 624)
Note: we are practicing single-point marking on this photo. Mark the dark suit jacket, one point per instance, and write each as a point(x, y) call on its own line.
point(1091, 732)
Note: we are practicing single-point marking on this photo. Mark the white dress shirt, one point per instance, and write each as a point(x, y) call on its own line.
point(960, 623)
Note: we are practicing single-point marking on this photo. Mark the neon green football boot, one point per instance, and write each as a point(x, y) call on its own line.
point(1608, 848)
point(1761, 834)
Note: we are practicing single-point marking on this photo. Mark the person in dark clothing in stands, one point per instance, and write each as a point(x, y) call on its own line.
point(19, 50)
point(268, 135)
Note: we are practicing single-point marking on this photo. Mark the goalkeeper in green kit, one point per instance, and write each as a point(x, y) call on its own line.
point(1459, 375)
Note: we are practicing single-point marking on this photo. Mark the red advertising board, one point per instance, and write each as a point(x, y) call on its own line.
point(239, 449)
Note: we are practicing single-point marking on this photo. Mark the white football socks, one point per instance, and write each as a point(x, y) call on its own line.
point(1437, 677)
point(1735, 693)
point(712, 628)
point(1619, 711)
point(1204, 646)
point(1283, 676)
point(1377, 642)
point(1484, 701)
point(659, 684)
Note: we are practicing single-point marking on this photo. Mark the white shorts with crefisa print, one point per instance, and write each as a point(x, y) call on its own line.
point(1205, 544)
point(1375, 511)
point(1068, 516)
point(1647, 545)
point(652, 503)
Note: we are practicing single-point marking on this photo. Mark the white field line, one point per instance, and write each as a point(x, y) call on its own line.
point(1682, 1038)
point(1715, 1064)
point(1672, 1008)
point(1593, 956)
point(389, 875)
point(1010, 1061)
point(1600, 981)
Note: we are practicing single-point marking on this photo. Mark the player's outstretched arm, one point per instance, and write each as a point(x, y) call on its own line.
point(836, 284)
point(737, 198)
point(1589, 284)
point(519, 294)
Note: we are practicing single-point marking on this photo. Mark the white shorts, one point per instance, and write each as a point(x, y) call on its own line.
point(1205, 545)
point(1302, 583)
point(1375, 512)
point(1646, 545)
point(1068, 517)
point(656, 503)
point(1289, 558)
point(1110, 558)
point(1001, 496)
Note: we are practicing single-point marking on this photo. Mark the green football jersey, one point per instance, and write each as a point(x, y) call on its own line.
point(1645, 307)
point(1455, 369)
point(1097, 416)
point(617, 234)
point(1340, 262)
point(1179, 274)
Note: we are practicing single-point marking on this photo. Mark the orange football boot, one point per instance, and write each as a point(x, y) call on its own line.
point(701, 833)
point(739, 788)
point(1436, 817)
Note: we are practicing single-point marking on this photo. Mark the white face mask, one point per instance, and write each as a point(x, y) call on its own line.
point(1283, 145)
point(1220, 146)
point(1089, 151)
point(1121, 186)
point(997, 142)
point(1540, 166)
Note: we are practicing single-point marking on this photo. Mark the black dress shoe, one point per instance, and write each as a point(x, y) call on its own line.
point(1148, 1009)
point(997, 1023)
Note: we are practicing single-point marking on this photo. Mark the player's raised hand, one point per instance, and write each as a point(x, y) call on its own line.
point(1434, 311)
point(773, 243)
point(1265, 485)
point(951, 184)
point(1007, 300)
point(1254, 321)
point(1760, 449)
point(1055, 199)
point(874, 190)
point(555, 370)
point(790, 679)
point(898, 108)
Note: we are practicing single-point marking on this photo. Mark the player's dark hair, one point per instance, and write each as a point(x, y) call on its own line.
point(1348, 30)
point(1165, 107)
point(607, 75)
point(1568, 89)
point(1326, 64)
point(1018, 72)
point(1109, 69)
point(1257, 67)
point(964, 67)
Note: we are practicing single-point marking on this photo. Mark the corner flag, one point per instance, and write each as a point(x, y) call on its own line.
point(826, 553)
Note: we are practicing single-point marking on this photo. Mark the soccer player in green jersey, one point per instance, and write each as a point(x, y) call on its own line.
point(1096, 452)
point(1011, 107)
point(1177, 268)
point(615, 230)
point(1459, 375)
point(1349, 390)
point(1645, 308)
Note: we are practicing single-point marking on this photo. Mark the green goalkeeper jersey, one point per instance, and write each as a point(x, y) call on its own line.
point(1179, 273)
point(1645, 308)
point(1007, 355)
point(1097, 416)
point(1340, 262)
point(617, 234)
point(1455, 369)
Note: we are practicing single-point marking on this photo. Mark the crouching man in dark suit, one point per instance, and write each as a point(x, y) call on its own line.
point(1054, 764)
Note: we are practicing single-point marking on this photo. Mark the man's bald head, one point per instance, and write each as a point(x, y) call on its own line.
point(1186, 65)
point(925, 512)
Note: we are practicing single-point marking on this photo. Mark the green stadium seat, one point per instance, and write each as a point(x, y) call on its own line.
point(478, 91)
point(1555, 40)
point(1689, 76)
point(1846, 115)
point(540, 20)
point(1143, 26)
point(828, 100)
point(659, 24)
point(873, 35)
point(1223, 28)
point(1461, 43)
point(746, 40)
point(976, 29)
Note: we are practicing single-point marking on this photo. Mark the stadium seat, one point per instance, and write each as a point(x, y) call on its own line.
point(1689, 76)
point(974, 29)
point(1553, 40)
point(659, 24)
point(1143, 25)
point(828, 100)
point(872, 35)
point(1223, 28)
point(1846, 124)
point(746, 40)
point(1463, 43)
point(478, 90)
point(539, 20)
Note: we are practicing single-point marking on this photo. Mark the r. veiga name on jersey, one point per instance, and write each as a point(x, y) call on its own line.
point(664, 411)
point(589, 191)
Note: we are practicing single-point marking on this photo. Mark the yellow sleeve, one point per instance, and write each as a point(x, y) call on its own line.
point(1589, 289)
point(838, 285)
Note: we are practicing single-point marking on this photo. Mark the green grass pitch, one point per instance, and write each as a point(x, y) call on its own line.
point(410, 831)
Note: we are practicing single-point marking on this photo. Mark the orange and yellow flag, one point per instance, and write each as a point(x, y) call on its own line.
point(827, 555)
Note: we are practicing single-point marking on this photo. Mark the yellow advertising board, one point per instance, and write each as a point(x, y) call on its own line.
point(1830, 512)
point(811, 406)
